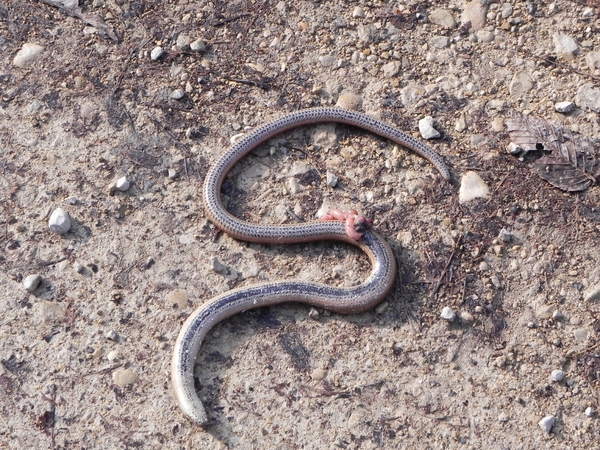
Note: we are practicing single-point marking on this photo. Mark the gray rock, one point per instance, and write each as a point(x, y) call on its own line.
point(358, 12)
point(332, 180)
point(440, 42)
point(472, 187)
point(520, 84)
point(564, 107)
point(198, 45)
point(177, 94)
point(547, 423)
point(32, 282)
point(557, 375)
point(28, 54)
point(581, 335)
point(327, 60)
point(474, 13)
point(443, 18)
point(592, 293)
point(59, 222)
point(505, 235)
point(348, 100)
point(564, 44)
point(391, 69)
point(124, 377)
point(546, 311)
point(592, 59)
point(448, 314)
point(183, 42)
point(426, 128)
point(588, 97)
point(506, 10)
point(122, 184)
point(513, 149)
point(156, 53)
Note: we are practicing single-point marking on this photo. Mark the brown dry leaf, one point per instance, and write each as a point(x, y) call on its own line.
point(571, 164)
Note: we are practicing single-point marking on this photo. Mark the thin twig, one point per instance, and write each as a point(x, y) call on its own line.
point(443, 274)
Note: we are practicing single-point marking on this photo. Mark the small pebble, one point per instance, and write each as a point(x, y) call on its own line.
point(183, 42)
point(557, 375)
point(564, 107)
point(348, 100)
point(531, 325)
point(313, 313)
point(565, 45)
point(318, 374)
point(27, 55)
point(448, 314)
point(112, 335)
point(332, 180)
point(589, 411)
point(78, 267)
point(513, 149)
point(358, 12)
point(198, 45)
point(503, 417)
point(32, 282)
point(466, 317)
point(547, 423)
point(173, 174)
point(122, 184)
point(177, 94)
point(382, 307)
point(156, 53)
point(113, 356)
point(505, 235)
point(592, 294)
point(59, 222)
point(472, 187)
point(217, 266)
point(443, 18)
point(426, 128)
point(124, 377)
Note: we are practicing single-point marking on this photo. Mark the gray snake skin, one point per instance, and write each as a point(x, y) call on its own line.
point(337, 299)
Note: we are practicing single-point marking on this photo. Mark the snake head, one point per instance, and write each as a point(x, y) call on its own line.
point(362, 224)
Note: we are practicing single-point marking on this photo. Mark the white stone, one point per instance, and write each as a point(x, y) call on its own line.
point(557, 375)
point(358, 12)
point(474, 13)
point(448, 314)
point(588, 97)
point(332, 180)
point(592, 293)
point(198, 45)
point(59, 222)
point(27, 55)
point(177, 94)
point(426, 128)
point(513, 149)
point(122, 184)
point(564, 107)
point(520, 84)
point(156, 53)
point(472, 187)
point(443, 18)
point(564, 44)
point(124, 377)
point(547, 423)
point(391, 69)
point(589, 411)
point(348, 100)
point(32, 282)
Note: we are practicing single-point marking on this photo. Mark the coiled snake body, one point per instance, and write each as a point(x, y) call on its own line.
point(343, 300)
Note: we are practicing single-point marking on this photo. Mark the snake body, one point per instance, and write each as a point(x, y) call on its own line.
point(342, 300)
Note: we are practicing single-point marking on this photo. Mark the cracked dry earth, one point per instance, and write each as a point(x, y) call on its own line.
point(85, 357)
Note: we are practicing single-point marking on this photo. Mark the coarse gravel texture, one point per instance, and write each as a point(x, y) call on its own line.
point(85, 357)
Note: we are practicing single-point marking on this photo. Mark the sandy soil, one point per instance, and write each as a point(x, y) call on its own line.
point(85, 358)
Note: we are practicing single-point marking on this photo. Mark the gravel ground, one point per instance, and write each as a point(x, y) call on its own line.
point(85, 356)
